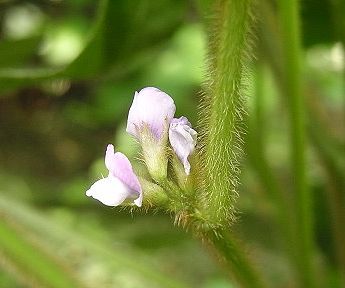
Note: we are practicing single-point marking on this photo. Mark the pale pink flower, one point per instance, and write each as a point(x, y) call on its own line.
point(120, 184)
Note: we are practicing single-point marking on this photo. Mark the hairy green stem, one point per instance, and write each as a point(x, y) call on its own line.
point(221, 134)
point(222, 113)
point(289, 17)
point(233, 256)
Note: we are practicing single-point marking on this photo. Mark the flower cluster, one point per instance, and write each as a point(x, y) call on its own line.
point(151, 121)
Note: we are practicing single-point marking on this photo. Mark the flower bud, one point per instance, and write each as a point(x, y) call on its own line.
point(182, 138)
point(148, 120)
point(152, 108)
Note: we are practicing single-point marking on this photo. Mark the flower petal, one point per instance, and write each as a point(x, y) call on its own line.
point(109, 158)
point(121, 183)
point(181, 121)
point(183, 140)
point(124, 171)
point(120, 167)
point(153, 107)
point(111, 191)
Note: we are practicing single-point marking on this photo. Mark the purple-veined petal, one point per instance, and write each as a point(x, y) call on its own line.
point(152, 107)
point(183, 140)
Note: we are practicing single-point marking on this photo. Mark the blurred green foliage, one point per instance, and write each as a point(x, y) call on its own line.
point(68, 71)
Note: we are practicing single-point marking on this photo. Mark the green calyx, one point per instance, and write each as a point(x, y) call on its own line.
point(155, 153)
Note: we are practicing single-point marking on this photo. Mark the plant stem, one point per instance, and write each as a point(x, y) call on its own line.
point(234, 258)
point(289, 17)
point(222, 114)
